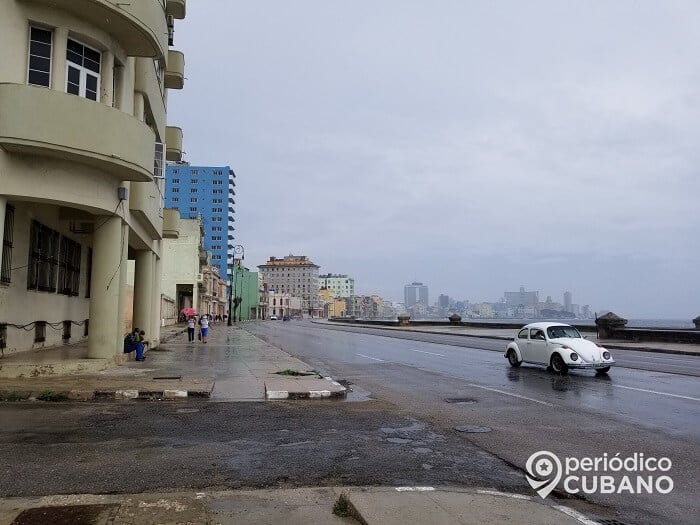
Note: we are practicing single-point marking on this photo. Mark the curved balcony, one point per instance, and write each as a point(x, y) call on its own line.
point(147, 83)
point(42, 122)
point(175, 70)
point(173, 143)
point(176, 8)
point(139, 26)
point(171, 223)
point(146, 204)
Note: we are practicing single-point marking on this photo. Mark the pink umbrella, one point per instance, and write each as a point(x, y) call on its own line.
point(188, 311)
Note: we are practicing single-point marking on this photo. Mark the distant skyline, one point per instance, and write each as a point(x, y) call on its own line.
point(473, 146)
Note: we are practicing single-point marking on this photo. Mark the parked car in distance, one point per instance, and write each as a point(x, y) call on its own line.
point(286, 318)
point(559, 347)
point(273, 318)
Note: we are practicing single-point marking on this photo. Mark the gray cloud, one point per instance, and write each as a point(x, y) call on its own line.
point(474, 146)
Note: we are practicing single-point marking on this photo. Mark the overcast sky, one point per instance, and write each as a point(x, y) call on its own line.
point(474, 146)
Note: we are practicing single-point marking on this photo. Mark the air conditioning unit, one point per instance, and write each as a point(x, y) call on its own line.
point(200, 278)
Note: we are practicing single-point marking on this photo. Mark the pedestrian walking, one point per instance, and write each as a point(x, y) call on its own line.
point(204, 322)
point(190, 329)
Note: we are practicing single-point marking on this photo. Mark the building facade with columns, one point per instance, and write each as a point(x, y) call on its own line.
point(83, 145)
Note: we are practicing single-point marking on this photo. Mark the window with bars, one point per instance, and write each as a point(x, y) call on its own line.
point(3, 335)
point(39, 331)
point(6, 268)
point(69, 267)
point(43, 258)
point(88, 274)
point(82, 70)
point(39, 71)
point(66, 330)
point(86, 327)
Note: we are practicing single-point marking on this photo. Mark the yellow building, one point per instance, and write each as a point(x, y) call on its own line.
point(83, 102)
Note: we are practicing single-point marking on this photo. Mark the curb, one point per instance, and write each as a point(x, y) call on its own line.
point(309, 394)
point(101, 395)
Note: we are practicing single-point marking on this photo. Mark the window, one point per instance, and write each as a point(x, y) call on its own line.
point(175, 172)
point(39, 73)
point(193, 190)
point(175, 199)
point(218, 201)
point(66, 330)
point(88, 275)
point(175, 181)
point(217, 182)
point(69, 267)
point(536, 334)
point(6, 268)
point(40, 331)
point(43, 258)
point(195, 172)
point(193, 199)
point(82, 70)
point(3, 335)
point(193, 181)
point(218, 192)
point(176, 190)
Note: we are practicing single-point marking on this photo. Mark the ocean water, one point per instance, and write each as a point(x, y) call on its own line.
point(632, 323)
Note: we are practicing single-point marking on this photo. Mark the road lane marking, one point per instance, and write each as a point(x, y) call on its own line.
point(657, 392)
point(511, 394)
point(414, 489)
point(504, 494)
point(431, 353)
point(368, 357)
point(576, 515)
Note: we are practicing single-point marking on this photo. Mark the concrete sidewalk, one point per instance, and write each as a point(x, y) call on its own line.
point(232, 366)
point(509, 334)
point(303, 506)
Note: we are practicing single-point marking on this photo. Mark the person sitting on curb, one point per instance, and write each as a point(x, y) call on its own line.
point(132, 342)
point(144, 344)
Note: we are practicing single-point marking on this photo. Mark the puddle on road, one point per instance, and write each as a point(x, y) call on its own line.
point(68, 515)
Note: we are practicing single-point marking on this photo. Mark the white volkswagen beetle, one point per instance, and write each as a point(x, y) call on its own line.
point(559, 346)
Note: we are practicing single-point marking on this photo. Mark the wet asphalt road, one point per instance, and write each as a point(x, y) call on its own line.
point(405, 434)
point(529, 409)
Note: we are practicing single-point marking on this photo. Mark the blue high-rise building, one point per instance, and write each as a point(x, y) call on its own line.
point(206, 191)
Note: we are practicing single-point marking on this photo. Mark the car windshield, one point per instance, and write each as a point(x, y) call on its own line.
point(555, 332)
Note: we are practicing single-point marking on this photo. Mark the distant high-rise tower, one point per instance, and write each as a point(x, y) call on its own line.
point(415, 293)
point(206, 192)
point(567, 301)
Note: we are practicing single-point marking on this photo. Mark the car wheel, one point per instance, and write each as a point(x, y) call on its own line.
point(513, 359)
point(602, 371)
point(558, 365)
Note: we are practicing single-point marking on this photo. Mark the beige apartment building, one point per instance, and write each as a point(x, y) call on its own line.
point(83, 143)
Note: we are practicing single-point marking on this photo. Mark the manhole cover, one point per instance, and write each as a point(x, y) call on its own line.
point(461, 400)
point(472, 429)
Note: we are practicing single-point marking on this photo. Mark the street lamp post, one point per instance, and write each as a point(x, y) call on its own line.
point(232, 299)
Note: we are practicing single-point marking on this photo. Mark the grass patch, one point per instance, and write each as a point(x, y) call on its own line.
point(341, 508)
point(13, 396)
point(50, 395)
point(289, 372)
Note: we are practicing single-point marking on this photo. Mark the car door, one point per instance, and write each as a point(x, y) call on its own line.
point(523, 342)
point(538, 346)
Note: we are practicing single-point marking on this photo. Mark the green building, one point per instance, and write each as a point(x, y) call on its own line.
point(246, 289)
